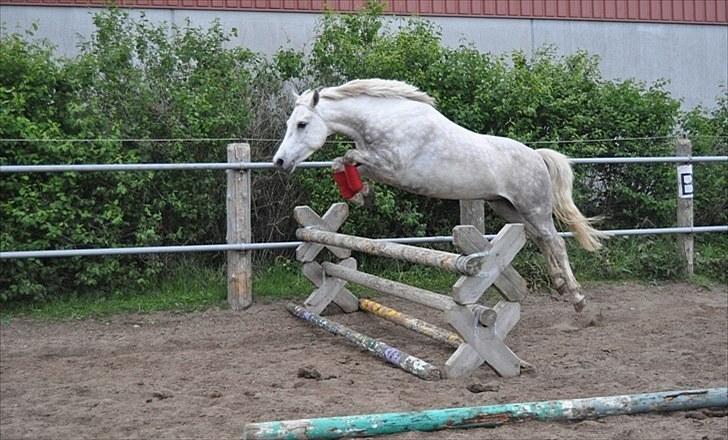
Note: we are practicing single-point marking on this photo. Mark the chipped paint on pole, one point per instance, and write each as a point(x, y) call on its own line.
point(414, 324)
point(455, 263)
point(368, 425)
point(394, 356)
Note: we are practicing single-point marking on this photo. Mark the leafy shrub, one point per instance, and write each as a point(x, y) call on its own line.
point(709, 133)
point(136, 80)
point(539, 99)
point(133, 80)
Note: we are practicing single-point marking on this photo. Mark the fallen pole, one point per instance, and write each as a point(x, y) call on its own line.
point(414, 324)
point(394, 356)
point(367, 425)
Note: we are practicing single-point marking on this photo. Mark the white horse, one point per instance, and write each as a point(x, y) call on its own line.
point(403, 141)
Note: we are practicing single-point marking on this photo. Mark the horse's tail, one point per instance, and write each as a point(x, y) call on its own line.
point(562, 180)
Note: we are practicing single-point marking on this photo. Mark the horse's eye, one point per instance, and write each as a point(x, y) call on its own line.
point(302, 125)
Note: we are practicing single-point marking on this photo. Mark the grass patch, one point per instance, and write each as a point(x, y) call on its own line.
point(189, 286)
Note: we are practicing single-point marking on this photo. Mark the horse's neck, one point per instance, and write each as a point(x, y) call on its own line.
point(360, 118)
point(340, 119)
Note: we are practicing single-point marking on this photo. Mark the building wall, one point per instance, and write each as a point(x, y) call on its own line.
point(680, 11)
point(693, 57)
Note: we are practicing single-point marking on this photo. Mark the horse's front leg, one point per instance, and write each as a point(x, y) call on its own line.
point(372, 165)
point(364, 163)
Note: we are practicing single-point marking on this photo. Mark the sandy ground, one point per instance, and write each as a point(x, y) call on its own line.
point(204, 375)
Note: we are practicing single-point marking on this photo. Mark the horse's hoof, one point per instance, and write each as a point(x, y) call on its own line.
point(358, 200)
point(579, 305)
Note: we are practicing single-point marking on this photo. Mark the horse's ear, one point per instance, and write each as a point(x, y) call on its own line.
point(290, 89)
point(315, 98)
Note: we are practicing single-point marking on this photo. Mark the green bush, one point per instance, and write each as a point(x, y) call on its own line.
point(539, 99)
point(709, 133)
point(135, 81)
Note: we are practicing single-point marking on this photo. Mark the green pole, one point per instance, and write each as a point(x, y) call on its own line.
point(367, 425)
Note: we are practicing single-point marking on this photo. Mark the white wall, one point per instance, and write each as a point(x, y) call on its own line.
point(694, 58)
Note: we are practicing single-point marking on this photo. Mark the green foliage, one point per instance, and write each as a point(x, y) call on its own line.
point(708, 131)
point(538, 99)
point(185, 286)
point(138, 80)
point(133, 79)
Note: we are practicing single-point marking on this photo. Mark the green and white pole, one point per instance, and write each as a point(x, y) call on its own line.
point(367, 425)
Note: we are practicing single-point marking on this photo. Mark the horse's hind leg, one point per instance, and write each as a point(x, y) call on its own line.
point(540, 228)
point(554, 247)
point(506, 210)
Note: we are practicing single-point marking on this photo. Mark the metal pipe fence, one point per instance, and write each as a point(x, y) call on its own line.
point(239, 166)
point(244, 166)
point(292, 244)
point(8, 169)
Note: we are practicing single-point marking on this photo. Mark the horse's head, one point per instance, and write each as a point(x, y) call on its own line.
point(306, 133)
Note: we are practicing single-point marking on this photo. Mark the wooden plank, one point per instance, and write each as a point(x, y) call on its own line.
point(463, 362)
point(331, 221)
point(472, 212)
point(390, 354)
point(412, 323)
point(348, 302)
point(345, 299)
point(509, 313)
point(484, 340)
point(504, 247)
point(237, 203)
point(469, 240)
point(328, 290)
point(370, 425)
point(510, 284)
point(400, 290)
point(685, 207)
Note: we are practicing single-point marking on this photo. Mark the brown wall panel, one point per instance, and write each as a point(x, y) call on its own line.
point(678, 11)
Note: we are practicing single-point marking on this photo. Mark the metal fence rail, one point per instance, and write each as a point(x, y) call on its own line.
point(267, 165)
point(239, 167)
point(293, 244)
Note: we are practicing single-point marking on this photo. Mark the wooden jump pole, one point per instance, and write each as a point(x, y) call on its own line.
point(456, 263)
point(414, 324)
point(367, 425)
point(394, 288)
point(394, 356)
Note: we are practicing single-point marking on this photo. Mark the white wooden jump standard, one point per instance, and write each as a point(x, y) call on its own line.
point(481, 264)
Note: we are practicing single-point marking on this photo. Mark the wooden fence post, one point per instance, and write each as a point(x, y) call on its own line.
point(685, 189)
point(472, 212)
point(239, 263)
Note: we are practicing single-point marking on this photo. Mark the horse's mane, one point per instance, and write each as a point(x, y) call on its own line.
point(378, 88)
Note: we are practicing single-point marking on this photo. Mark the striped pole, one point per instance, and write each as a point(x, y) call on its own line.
point(368, 425)
point(414, 324)
point(394, 356)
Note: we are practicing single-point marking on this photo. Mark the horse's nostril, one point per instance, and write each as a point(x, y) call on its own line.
point(279, 162)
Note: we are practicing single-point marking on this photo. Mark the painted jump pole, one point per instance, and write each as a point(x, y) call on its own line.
point(368, 425)
point(394, 356)
point(414, 324)
point(461, 264)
